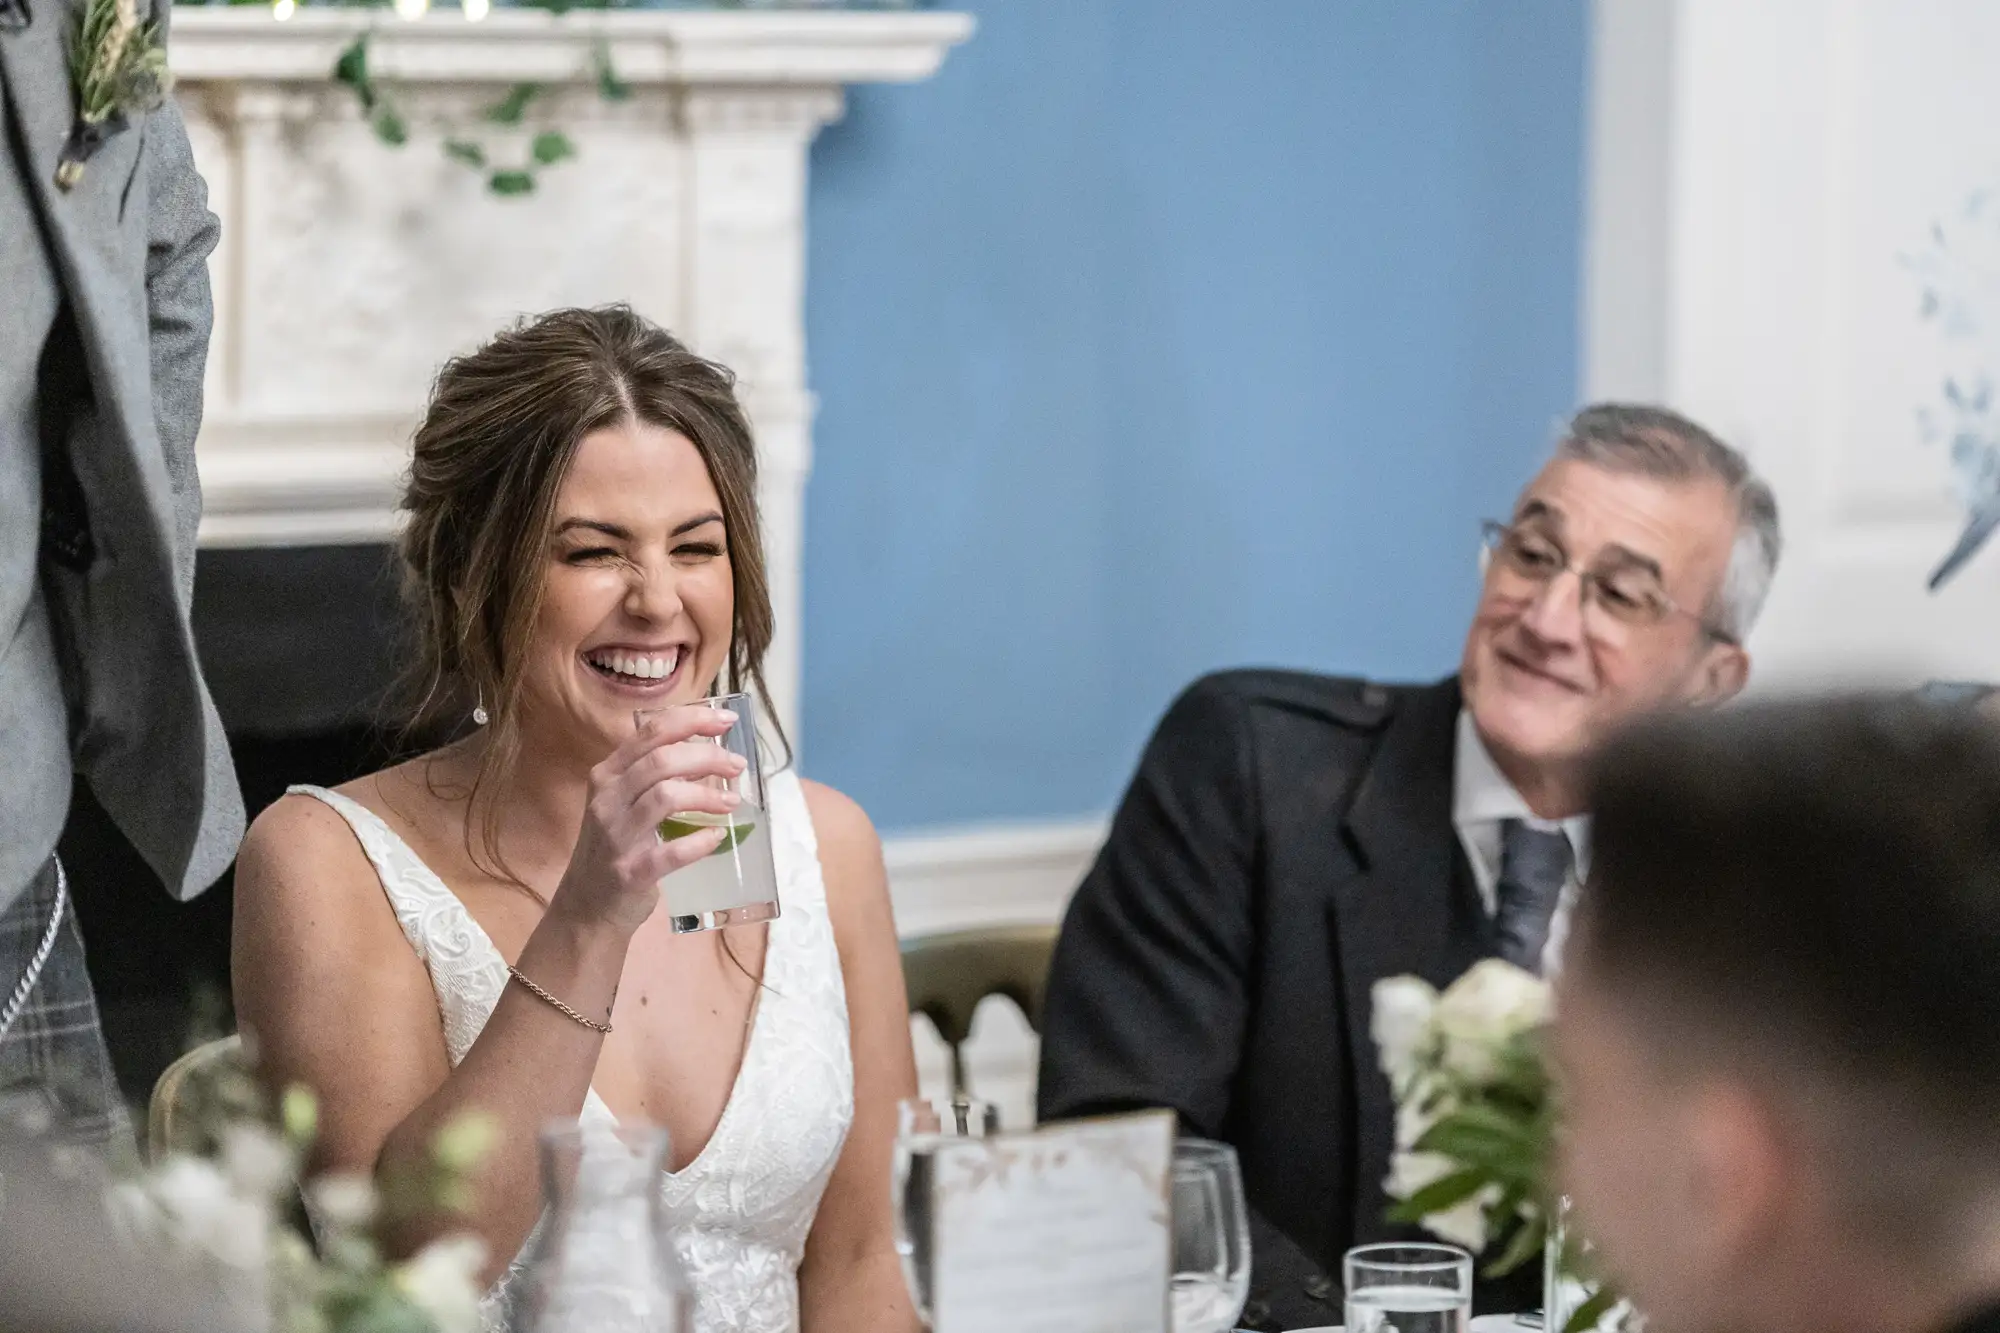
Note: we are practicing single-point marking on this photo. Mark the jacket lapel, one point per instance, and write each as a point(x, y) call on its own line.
point(1395, 915)
point(99, 249)
point(36, 59)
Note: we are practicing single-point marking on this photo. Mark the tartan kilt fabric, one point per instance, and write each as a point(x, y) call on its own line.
point(54, 1053)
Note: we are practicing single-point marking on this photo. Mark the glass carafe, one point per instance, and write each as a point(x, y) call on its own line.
point(603, 1259)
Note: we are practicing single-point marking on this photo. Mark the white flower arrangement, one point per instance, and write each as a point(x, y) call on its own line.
point(1475, 1117)
point(224, 1216)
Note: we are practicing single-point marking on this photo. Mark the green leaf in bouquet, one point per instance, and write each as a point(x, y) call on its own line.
point(1448, 1192)
point(1488, 1140)
point(378, 1308)
point(1520, 1072)
point(1481, 1124)
point(1529, 1239)
point(1586, 1316)
point(511, 183)
point(466, 152)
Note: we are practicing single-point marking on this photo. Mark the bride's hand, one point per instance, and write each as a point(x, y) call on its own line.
point(614, 874)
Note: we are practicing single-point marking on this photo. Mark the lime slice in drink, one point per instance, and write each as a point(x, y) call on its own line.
point(735, 828)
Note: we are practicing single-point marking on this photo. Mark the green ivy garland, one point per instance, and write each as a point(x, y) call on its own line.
point(546, 149)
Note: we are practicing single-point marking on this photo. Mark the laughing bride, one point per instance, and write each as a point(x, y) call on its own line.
point(476, 929)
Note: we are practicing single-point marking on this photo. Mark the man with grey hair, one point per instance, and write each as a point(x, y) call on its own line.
point(1291, 839)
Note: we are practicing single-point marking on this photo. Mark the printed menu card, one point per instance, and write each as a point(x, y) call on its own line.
point(1064, 1230)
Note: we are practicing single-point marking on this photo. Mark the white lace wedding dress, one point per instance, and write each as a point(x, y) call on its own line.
point(741, 1210)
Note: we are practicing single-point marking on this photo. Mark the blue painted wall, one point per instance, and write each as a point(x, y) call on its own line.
point(1158, 337)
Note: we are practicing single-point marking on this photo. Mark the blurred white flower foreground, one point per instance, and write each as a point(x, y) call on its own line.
point(223, 1219)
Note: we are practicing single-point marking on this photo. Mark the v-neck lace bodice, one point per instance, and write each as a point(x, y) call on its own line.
point(742, 1208)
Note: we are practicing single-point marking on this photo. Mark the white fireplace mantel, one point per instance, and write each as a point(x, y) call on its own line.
point(686, 47)
point(349, 270)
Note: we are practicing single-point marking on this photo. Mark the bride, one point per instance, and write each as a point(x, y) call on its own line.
point(582, 541)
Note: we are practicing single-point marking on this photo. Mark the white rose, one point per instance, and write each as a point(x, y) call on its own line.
point(1464, 1224)
point(1416, 1115)
point(255, 1161)
point(1412, 1171)
point(1483, 1010)
point(443, 1282)
point(343, 1200)
point(1400, 1022)
point(240, 1235)
point(202, 1213)
point(191, 1194)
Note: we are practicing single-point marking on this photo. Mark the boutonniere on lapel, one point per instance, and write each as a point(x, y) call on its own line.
point(120, 72)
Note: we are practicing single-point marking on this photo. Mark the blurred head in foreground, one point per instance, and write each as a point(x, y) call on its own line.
point(1779, 1021)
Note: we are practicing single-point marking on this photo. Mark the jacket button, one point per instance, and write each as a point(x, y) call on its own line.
point(1374, 696)
point(1256, 1314)
point(1319, 1286)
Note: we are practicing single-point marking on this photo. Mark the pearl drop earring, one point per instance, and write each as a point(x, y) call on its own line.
point(480, 716)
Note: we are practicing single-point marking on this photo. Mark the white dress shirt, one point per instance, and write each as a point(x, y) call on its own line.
point(1482, 800)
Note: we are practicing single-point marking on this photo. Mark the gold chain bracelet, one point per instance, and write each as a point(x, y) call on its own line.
point(590, 1023)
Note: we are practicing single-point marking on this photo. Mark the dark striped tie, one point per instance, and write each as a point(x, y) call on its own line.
point(1534, 866)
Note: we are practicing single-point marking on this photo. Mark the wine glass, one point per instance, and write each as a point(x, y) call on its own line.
point(922, 1127)
point(1211, 1277)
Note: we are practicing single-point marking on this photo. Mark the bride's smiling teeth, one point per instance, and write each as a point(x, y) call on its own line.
point(635, 666)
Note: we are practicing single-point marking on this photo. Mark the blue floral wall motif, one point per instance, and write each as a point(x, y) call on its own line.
point(1958, 272)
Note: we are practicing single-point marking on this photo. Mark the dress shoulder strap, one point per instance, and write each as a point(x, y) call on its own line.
point(413, 889)
point(795, 844)
point(467, 971)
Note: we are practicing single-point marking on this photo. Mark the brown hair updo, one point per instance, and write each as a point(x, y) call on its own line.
point(492, 453)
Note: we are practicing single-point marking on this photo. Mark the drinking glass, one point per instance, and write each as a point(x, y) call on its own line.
point(1408, 1288)
point(737, 883)
point(921, 1128)
point(1211, 1277)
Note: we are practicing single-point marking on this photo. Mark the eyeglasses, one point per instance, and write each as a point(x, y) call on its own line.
point(1627, 595)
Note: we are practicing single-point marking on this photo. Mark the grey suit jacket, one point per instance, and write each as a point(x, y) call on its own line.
point(131, 243)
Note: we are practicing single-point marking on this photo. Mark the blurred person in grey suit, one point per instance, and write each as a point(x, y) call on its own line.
point(105, 235)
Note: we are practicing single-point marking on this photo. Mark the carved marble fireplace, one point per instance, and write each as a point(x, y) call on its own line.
point(350, 268)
